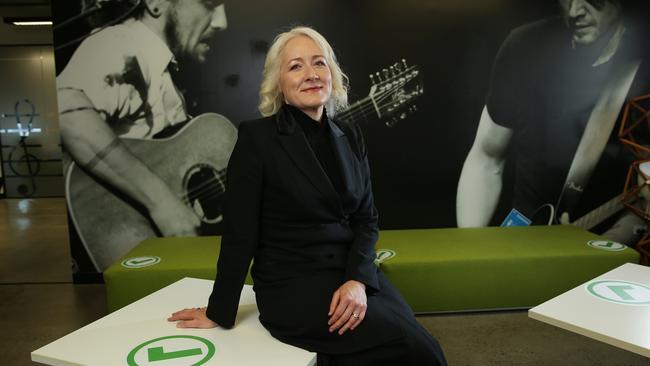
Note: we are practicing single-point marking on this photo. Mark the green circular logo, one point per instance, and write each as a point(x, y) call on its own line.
point(608, 245)
point(139, 262)
point(620, 292)
point(185, 350)
point(383, 255)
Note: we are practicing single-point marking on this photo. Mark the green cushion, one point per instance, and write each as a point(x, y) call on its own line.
point(493, 268)
point(435, 269)
point(179, 257)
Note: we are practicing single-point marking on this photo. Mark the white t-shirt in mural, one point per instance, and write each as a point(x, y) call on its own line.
point(124, 71)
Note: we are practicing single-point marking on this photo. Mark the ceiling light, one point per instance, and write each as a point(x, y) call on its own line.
point(27, 21)
point(33, 23)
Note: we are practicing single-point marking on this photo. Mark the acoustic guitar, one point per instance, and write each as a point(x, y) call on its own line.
point(193, 164)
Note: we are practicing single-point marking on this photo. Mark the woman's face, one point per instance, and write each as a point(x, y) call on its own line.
point(305, 77)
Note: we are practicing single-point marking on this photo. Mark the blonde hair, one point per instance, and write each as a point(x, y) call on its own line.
point(271, 98)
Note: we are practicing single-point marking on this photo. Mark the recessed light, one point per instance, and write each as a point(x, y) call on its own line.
point(27, 22)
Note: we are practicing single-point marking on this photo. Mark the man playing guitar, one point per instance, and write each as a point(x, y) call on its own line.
point(118, 85)
point(556, 90)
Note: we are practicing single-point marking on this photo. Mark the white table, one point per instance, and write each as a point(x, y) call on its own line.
point(131, 336)
point(613, 308)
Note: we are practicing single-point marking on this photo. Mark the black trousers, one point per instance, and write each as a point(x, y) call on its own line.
point(417, 348)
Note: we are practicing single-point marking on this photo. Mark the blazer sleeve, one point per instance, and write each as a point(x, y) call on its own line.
point(361, 259)
point(241, 228)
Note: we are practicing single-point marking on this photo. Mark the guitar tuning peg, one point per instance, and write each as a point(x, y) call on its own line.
point(372, 79)
point(392, 71)
point(404, 64)
point(384, 72)
point(397, 67)
point(392, 122)
point(378, 76)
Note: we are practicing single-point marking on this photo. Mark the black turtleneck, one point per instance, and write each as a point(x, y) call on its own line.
point(319, 137)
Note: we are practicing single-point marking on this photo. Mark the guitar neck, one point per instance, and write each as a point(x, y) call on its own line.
point(599, 214)
point(390, 98)
point(361, 109)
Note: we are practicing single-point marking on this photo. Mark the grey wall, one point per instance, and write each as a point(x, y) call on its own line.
point(27, 72)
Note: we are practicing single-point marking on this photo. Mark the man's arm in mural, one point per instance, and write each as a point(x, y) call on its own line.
point(96, 148)
point(481, 179)
point(627, 230)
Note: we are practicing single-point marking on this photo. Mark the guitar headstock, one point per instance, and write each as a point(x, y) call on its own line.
point(394, 91)
point(391, 98)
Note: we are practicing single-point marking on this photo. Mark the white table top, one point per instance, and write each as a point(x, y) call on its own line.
point(613, 308)
point(130, 336)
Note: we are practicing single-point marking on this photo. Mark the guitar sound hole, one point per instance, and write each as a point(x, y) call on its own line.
point(204, 188)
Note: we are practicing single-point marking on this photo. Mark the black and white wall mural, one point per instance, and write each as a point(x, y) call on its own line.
point(475, 113)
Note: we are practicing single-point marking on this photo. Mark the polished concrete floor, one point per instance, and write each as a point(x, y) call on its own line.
point(39, 303)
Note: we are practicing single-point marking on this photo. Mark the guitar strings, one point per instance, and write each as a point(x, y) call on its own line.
point(219, 176)
point(366, 106)
point(362, 107)
point(207, 194)
point(207, 183)
point(351, 108)
point(386, 93)
point(207, 186)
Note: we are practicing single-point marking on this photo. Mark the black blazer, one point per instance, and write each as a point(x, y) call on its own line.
point(305, 238)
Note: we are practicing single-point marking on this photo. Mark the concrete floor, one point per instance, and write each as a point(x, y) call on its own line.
point(38, 304)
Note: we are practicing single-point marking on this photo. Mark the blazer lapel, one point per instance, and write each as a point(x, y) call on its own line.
point(295, 143)
point(346, 157)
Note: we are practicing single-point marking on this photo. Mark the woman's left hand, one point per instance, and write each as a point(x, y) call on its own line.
point(348, 307)
point(192, 318)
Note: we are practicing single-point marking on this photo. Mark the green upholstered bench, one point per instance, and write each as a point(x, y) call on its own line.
point(494, 268)
point(158, 262)
point(435, 269)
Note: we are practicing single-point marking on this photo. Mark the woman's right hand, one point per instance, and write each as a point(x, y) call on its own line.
point(192, 318)
point(348, 307)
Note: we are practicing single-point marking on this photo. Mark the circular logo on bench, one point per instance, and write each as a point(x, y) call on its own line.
point(139, 262)
point(383, 255)
point(177, 350)
point(620, 292)
point(608, 245)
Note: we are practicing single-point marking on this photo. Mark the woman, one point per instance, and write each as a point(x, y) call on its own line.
point(299, 202)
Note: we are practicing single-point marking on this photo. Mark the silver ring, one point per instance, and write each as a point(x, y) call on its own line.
point(355, 315)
